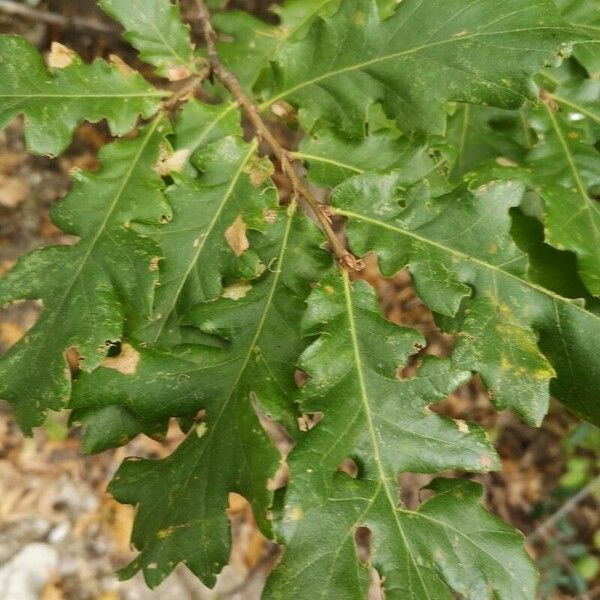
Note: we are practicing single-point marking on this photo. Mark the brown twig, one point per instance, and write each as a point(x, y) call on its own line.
point(37, 14)
point(230, 81)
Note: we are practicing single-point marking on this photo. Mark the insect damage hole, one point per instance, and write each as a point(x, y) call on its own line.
point(363, 543)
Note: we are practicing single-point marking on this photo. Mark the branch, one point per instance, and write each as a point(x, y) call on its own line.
point(230, 81)
point(549, 524)
point(36, 14)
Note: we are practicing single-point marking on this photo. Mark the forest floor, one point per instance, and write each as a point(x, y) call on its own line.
point(62, 537)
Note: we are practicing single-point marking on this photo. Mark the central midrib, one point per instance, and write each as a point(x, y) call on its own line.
point(371, 426)
point(250, 350)
point(206, 235)
point(101, 229)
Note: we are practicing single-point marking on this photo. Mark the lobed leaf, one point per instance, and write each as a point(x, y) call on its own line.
point(332, 159)
point(565, 167)
point(385, 426)
point(424, 54)
point(155, 28)
point(514, 333)
point(56, 100)
point(88, 289)
point(233, 190)
point(586, 16)
point(182, 499)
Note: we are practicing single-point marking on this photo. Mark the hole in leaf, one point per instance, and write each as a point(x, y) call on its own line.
point(114, 349)
point(281, 439)
point(252, 554)
point(306, 421)
point(16, 320)
point(362, 539)
point(594, 192)
point(413, 489)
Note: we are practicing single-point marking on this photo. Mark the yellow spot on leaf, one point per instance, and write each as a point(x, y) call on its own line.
point(296, 514)
point(359, 18)
point(164, 533)
point(154, 263)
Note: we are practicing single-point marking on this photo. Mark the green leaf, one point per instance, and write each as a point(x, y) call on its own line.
point(246, 45)
point(332, 159)
point(200, 124)
point(464, 262)
point(233, 190)
point(385, 426)
point(553, 269)
point(54, 101)
point(481, 133)
point(88, 289)
point(566, 167)
point(585, 15)
point(182, 499)
point(423, 55)
point(154, 28)
point(297, 16)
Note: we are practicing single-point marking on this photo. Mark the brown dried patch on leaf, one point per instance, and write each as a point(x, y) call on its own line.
point(259, 170)
point(172, 162)
point(486, 462)
point(349, 467)
point(270, 216)
point(154, 263)
point(236, 237)
point(169, 161)
point(120, 65)
point(307, 421)
point(60, 57)
point(73, 358)
point(284, 110)
point(126, 362)
point(280, 479)
point(177, 73)
point(237, 290)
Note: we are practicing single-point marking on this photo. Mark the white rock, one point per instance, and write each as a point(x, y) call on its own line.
point(24, 576)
